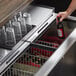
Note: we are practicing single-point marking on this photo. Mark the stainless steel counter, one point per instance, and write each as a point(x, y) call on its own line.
point(44, 27)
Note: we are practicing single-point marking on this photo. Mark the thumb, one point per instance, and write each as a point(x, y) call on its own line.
point(61, 19)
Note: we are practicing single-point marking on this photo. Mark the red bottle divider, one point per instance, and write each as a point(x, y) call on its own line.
point(47, 43)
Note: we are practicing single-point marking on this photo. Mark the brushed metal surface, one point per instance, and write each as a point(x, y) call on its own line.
point(3, 53)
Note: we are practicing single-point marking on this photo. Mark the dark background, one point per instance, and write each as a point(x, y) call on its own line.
point(60, 5)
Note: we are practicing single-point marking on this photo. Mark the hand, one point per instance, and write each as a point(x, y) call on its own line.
point(62, 15)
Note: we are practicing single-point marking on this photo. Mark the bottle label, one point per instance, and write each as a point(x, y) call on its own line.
point(60, 32)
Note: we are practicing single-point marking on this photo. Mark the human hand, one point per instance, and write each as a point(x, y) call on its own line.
point(62, 15)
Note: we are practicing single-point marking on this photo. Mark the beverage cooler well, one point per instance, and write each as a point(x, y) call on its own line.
point(29, 45)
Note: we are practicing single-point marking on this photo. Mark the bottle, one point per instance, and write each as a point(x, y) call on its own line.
point(2, 36)
point(10, 37)
point(21, 19)
point(29, 22)
point(60, 29)
point(17, 28)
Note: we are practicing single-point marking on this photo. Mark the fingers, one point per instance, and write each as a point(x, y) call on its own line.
point(59, 14)
point(62, 15)
point(61, 19)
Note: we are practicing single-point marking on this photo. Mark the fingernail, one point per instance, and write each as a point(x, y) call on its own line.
point(61, 20)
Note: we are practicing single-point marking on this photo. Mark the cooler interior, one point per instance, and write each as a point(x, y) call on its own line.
point(38, 52)
point(31, 60)
point(49, 36)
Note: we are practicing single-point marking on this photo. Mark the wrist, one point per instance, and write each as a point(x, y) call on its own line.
point(68, 12)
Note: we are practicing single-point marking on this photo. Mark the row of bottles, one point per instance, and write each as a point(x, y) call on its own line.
point(41, 52)
point(35, 56)
point(32, 60)
point(15, 29)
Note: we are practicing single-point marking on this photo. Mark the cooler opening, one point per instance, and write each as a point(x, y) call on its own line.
point(31, 60)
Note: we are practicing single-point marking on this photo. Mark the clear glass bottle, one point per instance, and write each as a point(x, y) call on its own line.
point(22, 21)
point(17, 28)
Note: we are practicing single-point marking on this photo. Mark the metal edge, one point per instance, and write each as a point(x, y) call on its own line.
point(7, 64)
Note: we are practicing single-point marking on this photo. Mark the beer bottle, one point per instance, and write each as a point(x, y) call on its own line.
point(60, 29)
